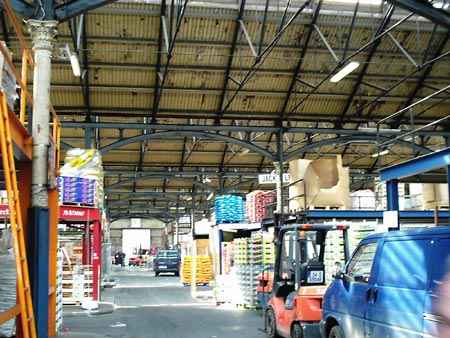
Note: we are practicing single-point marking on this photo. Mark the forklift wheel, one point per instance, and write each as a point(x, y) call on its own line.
point(297, 331)
point(336, 332)
point(271, 324)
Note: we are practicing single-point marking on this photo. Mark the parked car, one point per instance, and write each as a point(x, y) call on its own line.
point(389, 287)
point(167, 261)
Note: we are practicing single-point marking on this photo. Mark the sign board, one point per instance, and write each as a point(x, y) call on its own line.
point(390, 220)
point(72, 213)
point(272, 178)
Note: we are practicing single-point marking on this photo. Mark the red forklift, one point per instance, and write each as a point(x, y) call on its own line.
point(295, 307)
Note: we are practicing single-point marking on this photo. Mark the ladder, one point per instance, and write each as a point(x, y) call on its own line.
point(16, 222)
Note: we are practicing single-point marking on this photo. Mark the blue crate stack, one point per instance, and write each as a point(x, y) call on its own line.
point(229, 209)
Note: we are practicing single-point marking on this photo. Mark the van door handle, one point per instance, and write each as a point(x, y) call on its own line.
point(372, 295)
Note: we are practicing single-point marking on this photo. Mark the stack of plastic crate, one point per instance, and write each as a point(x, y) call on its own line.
point(229, 209)
point(204, 273)
point(256, 203)
point(249, 253)
point(268, 252)
point(240, 254)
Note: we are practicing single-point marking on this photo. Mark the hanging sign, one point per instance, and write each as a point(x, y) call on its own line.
point(72, 213)
point(273, 178)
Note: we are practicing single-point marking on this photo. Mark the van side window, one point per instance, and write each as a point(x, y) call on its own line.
point(403, 264)
point(360, 267)
point(440, 254)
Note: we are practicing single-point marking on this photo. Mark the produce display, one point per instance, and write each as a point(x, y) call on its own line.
point(256, 203)
point(229, 209)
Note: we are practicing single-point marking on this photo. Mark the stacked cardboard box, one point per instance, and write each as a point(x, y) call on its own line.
point(256, 203)
point(204, 273)
point(77, 190)
point(229, 209)
point(320, 183)
point(81, 178)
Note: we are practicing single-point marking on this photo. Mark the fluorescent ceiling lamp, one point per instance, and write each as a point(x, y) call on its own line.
point(244, 152)
point(349, 67)
point(375, 130)
point(75, 64)
point(381, 153)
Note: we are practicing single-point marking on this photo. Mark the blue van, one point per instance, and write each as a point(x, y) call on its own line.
point(389, 286)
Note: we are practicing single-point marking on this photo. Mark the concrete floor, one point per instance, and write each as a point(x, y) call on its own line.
point(160, 307)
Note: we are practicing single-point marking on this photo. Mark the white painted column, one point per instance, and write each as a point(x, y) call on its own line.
point(43, 37)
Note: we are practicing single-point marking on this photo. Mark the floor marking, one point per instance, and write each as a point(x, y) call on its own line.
point(164, 305)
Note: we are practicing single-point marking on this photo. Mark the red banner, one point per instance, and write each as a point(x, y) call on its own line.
point(67, 213)
point(72, 213)
point(4, 211)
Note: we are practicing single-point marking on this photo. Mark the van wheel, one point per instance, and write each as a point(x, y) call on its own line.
point(297, 331)
point(271, 324)
point(336, 332)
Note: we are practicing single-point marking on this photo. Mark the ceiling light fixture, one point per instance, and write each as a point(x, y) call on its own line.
point(73, 57)
point(381, 153)
point(349, 67)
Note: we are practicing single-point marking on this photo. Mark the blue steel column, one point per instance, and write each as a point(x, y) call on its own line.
point(447, 141)
point(392, 195)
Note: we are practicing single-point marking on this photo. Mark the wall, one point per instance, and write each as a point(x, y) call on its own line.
point(158, 232)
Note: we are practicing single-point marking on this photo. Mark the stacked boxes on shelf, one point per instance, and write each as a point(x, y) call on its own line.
point(77, 190)
point(77, 283)
point(204, 273)
point(256, 204)
point(8, 83)
point(229, 209)
point(81, 180)
point(334, 248)
point(77, 279)
point(227, 256)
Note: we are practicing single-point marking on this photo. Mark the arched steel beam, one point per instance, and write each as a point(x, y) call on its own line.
point(349, 139)
point(179, 133)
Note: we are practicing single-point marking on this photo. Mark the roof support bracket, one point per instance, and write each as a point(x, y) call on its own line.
point(403, 50)
point(248, 38)
point(325, 41)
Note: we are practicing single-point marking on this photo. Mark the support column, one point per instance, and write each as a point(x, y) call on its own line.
point(43, 36)
point(279, 170)
point(392, 195)
point(96, 258)
point(194, 248)
point(447, 141)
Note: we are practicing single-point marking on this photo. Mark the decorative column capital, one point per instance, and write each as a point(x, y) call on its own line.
point(43, 33)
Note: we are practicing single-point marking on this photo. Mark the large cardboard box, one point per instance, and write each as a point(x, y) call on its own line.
point(318, 184)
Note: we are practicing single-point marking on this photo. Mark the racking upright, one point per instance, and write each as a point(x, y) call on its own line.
point(35, 308)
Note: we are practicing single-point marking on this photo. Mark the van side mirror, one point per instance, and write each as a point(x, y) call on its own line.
point(338, 272)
